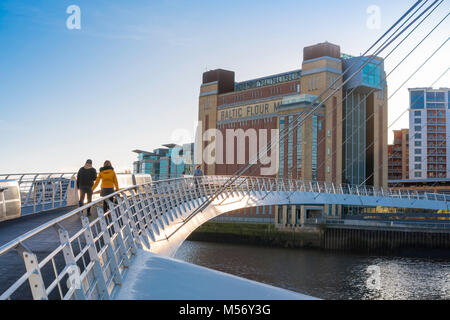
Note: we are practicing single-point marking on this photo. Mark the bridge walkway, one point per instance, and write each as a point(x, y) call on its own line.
point(12, 265)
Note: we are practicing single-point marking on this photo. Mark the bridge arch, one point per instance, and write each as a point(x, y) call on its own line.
point(185, 218)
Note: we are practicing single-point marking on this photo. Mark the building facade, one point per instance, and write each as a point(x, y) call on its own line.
point(344, 139)
point(398, 156)
point(429, 121)
point(161, 163)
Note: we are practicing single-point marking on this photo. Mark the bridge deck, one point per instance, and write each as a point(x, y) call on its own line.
point(154, 277)
point(11, 264)
point(11, 229)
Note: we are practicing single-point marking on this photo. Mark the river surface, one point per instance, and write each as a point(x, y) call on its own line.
point(327, 275)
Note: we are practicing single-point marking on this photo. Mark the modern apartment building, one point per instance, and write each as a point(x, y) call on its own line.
point(429, 120)
point(343, 140)
point(398, 156)
point(161, 164)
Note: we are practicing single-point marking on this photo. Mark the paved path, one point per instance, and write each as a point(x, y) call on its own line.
point(11, 264)
point(11, 229)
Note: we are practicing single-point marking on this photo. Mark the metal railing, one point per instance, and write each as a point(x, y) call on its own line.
point(89, 258)
point(47, 191)
point(41, 191)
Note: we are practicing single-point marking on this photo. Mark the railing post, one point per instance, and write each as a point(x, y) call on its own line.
point(152, 201)
point(194, 191)
point(139, 211)
point(93, 255)
point(164, 189)
point(53, 194)
point(172, 201)
point(35, 279)
point(120, 238)
point(160, 204)
point(109, 250)
point(202, 187)
point(178, 195)
point(61, 193)
point(145, 206)
point(34, 198)
point(130, 224)
point(147, 211)
point(31, 187)
point(69, 258)
point(186, 196)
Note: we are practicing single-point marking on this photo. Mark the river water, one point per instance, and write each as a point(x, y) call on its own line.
point(327, 275)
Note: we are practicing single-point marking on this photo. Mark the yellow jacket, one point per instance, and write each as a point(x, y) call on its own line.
point(108, 178)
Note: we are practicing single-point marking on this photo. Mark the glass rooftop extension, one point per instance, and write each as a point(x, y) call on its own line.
point(268, 81)
point(300, 98)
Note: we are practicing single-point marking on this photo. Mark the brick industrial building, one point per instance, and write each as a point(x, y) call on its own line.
point(344, 140)
point(398, 154)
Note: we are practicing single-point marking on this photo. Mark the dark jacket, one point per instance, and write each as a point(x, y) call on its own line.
point(198, 173)
point(86, 178)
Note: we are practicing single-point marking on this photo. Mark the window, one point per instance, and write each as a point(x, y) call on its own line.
point(418, 136)
point(418, 174)
point(418, 166)
point(417, 120)
point(417, 100)
point(418, 143)
point(417, 113)
point(418, 151)
point(418, 159)
point(417, 128)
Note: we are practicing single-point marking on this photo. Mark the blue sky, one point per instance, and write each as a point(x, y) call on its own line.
point(130, 77)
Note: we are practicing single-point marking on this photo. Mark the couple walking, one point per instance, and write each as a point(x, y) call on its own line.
point(88, 180)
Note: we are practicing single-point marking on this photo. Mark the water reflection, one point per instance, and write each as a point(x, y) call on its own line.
point(325, 275)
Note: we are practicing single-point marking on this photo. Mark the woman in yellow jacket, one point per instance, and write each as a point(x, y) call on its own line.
point(109, 182)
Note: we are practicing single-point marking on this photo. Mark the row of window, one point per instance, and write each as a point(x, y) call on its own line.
point(259, 93)
point(267, 81)
point(244, 123)
point(431, 128)
point(434, 100)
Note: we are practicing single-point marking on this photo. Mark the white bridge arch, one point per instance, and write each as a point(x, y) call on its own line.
point(158, 217)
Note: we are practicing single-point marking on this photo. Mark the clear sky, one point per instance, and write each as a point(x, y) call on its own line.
point(130, 77)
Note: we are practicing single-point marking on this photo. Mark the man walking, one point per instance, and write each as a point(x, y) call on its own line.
point(85, 180)
point(198, 173)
